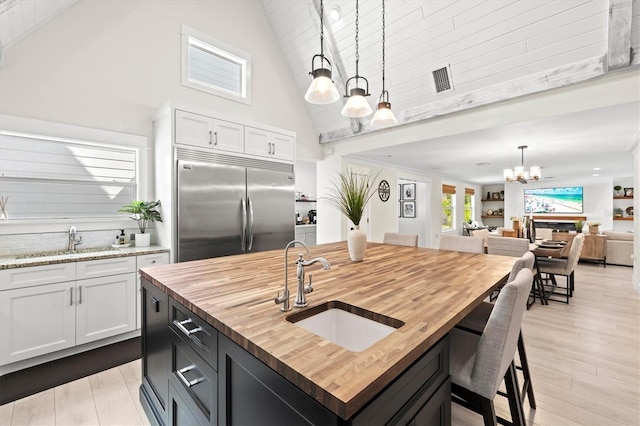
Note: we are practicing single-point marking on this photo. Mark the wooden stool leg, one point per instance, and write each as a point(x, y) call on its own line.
point(527, 386)
point(513, 394)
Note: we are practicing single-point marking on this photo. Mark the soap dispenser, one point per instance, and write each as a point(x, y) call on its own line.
point(122, 236)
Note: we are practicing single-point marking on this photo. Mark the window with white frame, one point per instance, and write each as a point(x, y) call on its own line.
point(448, 207)
point(54, 178)
point(469, 204)
point(215, 67)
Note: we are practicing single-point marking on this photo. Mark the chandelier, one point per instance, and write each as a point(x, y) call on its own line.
point(519, 173)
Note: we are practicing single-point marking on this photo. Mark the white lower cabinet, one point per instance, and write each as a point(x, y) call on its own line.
point(105, 307)
point(36, 320)
point(81, 302)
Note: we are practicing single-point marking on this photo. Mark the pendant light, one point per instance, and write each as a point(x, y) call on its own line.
point(321, 90)
point(519, 173)
point(357, 105)
point(384, 116)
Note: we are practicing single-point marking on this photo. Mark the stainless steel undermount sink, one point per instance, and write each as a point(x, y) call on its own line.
point(63, 252)
point(346, 325)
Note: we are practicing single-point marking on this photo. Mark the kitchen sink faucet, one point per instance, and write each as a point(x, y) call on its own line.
point(72, 239)
point(284, 299)
point(301, 301)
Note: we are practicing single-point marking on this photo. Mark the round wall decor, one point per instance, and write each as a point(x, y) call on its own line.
point(384, 191)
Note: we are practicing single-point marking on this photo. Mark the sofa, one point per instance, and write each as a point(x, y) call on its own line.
point(619, 248)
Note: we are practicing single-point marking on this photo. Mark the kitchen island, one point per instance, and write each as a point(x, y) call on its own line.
point(216, 349)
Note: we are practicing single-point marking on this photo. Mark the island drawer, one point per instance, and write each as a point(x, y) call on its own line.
point(195, 381)
point(195, 332)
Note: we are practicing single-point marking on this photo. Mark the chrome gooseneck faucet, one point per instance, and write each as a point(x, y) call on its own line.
point(284, 299)
point(72, 239)
point(301, 301)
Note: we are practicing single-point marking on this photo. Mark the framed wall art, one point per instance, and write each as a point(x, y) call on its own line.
point(409, 191)
point(408, 209)
point(628, 192)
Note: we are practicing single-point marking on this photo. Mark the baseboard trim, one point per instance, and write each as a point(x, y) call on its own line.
point(28, 381)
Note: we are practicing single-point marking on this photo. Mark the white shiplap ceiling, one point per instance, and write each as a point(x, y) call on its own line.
point(486, 44)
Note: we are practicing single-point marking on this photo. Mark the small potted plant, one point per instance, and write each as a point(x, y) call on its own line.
point(617, 212)
point(579, 225)
point(594, 227)
point(350, 196)
point(143, 212)
point(617, 191)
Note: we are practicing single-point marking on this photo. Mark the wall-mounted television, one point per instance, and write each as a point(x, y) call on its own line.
point(562, 199)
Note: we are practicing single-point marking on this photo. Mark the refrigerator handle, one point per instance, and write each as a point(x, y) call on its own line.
point(243, 243)
point(250, 224)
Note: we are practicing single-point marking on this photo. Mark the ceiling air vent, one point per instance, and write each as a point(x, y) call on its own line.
point(442, 79)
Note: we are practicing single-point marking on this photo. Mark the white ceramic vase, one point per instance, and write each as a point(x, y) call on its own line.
point(143, 240)
point(357, 243)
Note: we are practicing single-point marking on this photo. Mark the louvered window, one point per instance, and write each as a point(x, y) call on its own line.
point(53, 178)
point(215, 67)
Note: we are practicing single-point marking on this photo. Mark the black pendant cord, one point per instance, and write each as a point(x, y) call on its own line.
point(321, 29)
point(383, 40)
point(357, 39)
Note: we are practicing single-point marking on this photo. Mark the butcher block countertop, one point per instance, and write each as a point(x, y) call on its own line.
point(429, 290)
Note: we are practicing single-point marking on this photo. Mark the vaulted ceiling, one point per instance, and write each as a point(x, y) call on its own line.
point(493, 51)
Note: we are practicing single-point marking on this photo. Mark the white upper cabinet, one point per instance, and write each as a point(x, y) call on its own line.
point(207, 132)
point(264, 143)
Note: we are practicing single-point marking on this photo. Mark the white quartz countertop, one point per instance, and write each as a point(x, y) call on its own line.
point(63, 256)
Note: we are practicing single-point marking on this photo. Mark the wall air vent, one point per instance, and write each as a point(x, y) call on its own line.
point(442, 79)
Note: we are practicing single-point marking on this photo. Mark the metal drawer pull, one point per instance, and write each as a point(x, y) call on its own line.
point(188, 383)
point(79, 294)
point(71, 296)
point(181, 326)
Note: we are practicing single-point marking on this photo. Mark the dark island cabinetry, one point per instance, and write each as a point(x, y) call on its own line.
point(194, 374)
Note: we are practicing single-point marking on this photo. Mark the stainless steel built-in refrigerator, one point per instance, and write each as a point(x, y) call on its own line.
point(232, 209)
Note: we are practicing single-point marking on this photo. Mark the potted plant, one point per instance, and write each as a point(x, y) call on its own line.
point(143, 212)
point(579, 225)
point(594, 227)
point(617, 212)
point(350, 196)
point(618, 191)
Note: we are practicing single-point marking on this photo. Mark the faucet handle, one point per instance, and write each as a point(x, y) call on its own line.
point(308, 288)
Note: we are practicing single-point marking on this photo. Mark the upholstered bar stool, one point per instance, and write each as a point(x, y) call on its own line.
point(479, 363)
point(476, 321)
point(565, 267)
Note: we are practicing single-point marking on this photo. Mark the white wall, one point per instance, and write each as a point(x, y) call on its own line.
point(112, 64)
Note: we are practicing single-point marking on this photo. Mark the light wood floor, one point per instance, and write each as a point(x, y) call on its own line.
point(584, 357)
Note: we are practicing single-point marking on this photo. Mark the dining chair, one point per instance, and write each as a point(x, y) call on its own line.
point(479, 363)
point(399, 239)
point(459, 243)
point(507, 246)
point(482, 233)
point(477, 319)
point(565, 267)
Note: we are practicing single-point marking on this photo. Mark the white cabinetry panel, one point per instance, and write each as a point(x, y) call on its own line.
point(207, 132)
point(36, 275)
point(36, 320)
point(268, 144)
point(104, 267)
point(106, 306)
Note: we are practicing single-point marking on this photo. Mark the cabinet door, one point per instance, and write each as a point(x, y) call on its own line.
point(258, 142)
point(228, 136)
point(36, 321)
point(156, 350)
point(283, 147)
point(268, 144)
point(105, 307)
point(142, 261)
point(194, 129)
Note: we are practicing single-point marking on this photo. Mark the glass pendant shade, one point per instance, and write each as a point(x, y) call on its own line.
point(357, 105)
point(535, 172)
point(508, 175)
point(321, 90)
point(383, 117)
